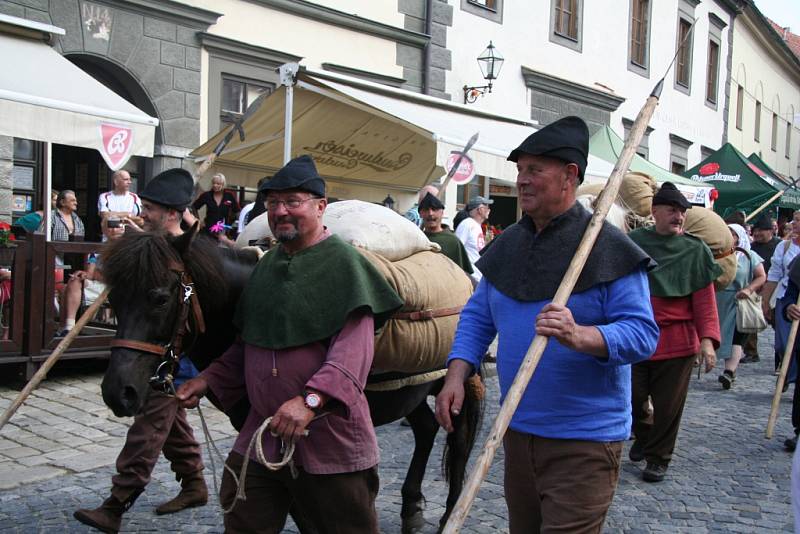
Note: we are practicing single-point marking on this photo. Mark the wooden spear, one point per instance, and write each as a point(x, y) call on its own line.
point(534, 354)
point(53, 358)
point(787, 357)
point(772, 199)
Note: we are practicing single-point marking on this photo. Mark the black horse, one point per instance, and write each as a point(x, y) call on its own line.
point(147, 272)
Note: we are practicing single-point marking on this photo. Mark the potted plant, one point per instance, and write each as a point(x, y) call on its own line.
point(7, 245)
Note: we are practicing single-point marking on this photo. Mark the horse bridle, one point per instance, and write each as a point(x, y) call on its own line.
point(171, 352)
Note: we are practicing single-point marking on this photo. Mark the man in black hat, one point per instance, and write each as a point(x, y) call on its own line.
point(161, 426)
point(564, 442)
point(431, 211)
point(684, 304)
point(307, 320)
point(764, 243)
point(470, 230)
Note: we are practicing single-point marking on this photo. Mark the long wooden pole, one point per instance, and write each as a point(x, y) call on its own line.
point(53, 358)
point(534, 354)
point(772, 199)
point(787, 358)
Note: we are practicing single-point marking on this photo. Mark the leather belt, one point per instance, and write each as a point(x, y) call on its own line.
point(427, 315)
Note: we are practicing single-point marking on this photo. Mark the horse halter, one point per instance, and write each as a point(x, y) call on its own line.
point(171, 352)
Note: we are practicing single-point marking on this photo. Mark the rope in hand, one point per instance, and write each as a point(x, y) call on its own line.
point(288, 452)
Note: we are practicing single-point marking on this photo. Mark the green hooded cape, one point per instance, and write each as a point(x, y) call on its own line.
point(685, 263)
point(295, 300)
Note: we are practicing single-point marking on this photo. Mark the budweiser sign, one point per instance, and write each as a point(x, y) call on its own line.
point(117, 142)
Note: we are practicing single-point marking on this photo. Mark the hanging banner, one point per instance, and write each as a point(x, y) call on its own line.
point(466, 169)
point(117, 143)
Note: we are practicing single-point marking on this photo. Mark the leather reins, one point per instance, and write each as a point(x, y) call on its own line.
point(171, 352)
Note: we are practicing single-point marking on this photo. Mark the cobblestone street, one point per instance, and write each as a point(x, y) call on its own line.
point(58, 452)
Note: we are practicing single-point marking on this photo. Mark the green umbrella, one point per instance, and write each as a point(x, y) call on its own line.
point(741, 184)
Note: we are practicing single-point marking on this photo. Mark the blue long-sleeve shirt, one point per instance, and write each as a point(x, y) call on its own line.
point(572, 395)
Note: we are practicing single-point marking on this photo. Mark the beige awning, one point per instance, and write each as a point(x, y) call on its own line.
point(365, 133)
point(44, 97)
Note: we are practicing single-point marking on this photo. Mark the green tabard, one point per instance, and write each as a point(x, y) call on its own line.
point(685, 263)
point(294, 300)
point(452, 248)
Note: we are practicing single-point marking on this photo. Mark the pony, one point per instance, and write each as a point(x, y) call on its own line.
point(146, 273)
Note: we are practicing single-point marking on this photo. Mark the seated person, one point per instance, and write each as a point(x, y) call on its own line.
point(87, 283)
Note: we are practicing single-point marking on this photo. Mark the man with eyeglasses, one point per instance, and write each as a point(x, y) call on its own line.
point(307, 320)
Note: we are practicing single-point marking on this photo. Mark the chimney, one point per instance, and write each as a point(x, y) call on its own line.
point(786, 32)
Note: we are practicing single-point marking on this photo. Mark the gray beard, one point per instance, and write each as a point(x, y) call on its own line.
point(286, 237)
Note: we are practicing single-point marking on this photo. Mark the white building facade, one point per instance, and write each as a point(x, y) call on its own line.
point(765, 94)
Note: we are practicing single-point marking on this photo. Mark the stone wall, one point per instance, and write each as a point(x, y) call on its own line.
point(6, 165)
point(157, 50)
point(412, 59)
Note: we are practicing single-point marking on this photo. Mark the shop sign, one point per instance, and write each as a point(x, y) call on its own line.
point(117, 142)
point(466, 169)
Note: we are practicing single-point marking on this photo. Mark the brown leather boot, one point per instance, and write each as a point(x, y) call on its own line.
point(107, 517)
point(193, 493)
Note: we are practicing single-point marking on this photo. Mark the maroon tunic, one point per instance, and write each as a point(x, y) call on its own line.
point(344, 440)
point(684, 322)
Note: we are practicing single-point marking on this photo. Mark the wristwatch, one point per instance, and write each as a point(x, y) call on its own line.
point(312, 401)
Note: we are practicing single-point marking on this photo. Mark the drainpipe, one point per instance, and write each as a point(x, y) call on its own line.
point(426, 53)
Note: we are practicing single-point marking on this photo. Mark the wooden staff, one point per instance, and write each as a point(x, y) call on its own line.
point(457, 164)
point(53, 358)
point(534, 354)
point(787, 357)
point(772, 199)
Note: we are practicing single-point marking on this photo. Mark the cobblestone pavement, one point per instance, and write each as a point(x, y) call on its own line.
point(57, 455)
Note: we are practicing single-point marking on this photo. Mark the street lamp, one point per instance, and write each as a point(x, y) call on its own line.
point(388, 202)
point(490, 62)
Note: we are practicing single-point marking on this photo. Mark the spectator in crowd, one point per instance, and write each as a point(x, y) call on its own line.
point(32, 221)
point(773, 298)
point(254, 209)
point(221, 206)
point(120, 203)
point(470, 231)
point(66, 225)
point(764, 242)
point(84, 286)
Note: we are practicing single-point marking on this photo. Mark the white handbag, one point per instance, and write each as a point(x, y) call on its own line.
point(749, 315)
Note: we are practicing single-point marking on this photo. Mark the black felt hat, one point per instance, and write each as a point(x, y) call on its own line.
point(431, 201)
point(670, 196)
point(763, 223)
point(172, 188)
point(566, 139)
point(299, 173)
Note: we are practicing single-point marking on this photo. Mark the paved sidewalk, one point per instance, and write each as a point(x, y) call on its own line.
point(57, 455)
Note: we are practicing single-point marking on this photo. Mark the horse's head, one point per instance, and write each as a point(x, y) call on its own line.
point(147, 274)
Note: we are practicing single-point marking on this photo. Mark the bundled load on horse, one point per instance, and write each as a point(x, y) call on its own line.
point(434, 289)
point(362, 224)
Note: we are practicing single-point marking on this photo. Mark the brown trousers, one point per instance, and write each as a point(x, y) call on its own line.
point(751, 345)
point(666, 382)
point(337, 504)
point(558, 485)
point(160, 427)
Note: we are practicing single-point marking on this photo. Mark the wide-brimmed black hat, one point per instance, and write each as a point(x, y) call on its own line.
point(670, 196)
point(172, 188)
point(430, 201)
point(566, 139)
point(299, 173)
point(763, 223)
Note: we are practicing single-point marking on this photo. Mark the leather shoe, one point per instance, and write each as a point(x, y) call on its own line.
point(636, 454)
point(790, 444)
point(194, 492)
point(654, 472)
